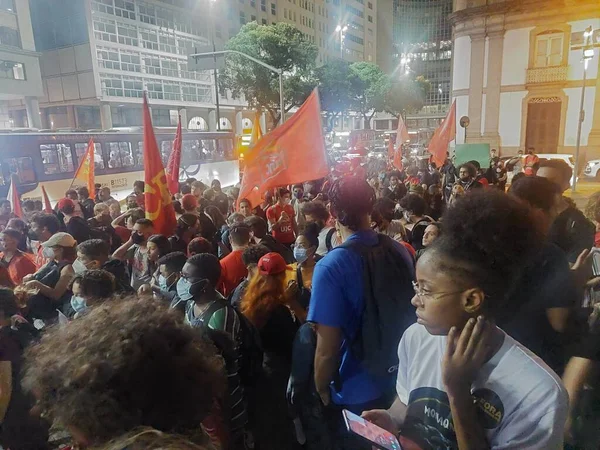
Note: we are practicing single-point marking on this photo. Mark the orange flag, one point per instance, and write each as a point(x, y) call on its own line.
point(14, 197)
point(292, 153)
point(47, 206)
point(446, 132)
point(159, 208)
point(401, 138)
point(174, 162)
point(85, 171)
point(256, 130)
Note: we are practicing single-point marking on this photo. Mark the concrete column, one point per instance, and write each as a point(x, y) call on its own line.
point(593, 147)
point(105, 116)
point(184, 118)
point(476, 87)
point(32, 106)
point(492, 99)
point(212, 120)
point(263, 122)
point(238, 127)
point(71, 117)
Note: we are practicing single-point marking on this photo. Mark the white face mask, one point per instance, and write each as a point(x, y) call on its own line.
point(78, 266)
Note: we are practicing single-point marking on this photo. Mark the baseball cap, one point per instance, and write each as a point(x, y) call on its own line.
point(64, 203)
point(271, 264)
point(189, 202)
point(60, 240)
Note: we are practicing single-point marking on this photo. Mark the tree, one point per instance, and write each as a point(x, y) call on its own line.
point(406, 95)
point(281, 46)
point(338, 85)
point(371, 91)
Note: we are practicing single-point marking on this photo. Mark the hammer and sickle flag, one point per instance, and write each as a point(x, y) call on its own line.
point(159, 207)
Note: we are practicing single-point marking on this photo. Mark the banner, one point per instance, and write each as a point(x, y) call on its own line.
point(47, 205)
point(292, 153)
point(159, 208)
point(14, 197)
point(446, 132)
point(256, 130)
point(174, 162)
point(85, 171)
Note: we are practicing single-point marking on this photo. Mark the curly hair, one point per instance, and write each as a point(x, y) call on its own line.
point(311, 233)
point(489, 237)
point(149, 439)
point(351, 199)
point(537, 191)
point(216, 216)
point(126, 364)
point(263, 294)
point(253, 254)
point(414, 203)
point(316, 210)
point(98, 284)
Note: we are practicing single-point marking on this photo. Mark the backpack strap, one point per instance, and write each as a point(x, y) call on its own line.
point(214, 307)
point(328, 239)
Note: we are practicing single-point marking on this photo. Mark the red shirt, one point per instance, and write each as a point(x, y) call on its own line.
point(123, 232)
point(285, 232)
point(233, 271)
point(21, 264)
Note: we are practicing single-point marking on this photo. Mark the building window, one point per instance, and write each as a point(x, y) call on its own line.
point(167, 43)
point(263, 5)
point(130, 62)
point(253, 3)
point(56, 158)
point(252, 18)
point(108, 58)
point(172, 92)
point(352, 10)
point(242, 18)
point(12, 70)
point(147, 13)
point(549, 49)
point(152, 65)
point(125, 9)
point(103, 6)
point(264, 21)
point(7, 5)
point(112, 85)
point(273, 9)
point(149, 39)
point(370, 5)
point(370, 19)
point(128, 35)
point(105, 30)
point(370, 31)
point(133, 87)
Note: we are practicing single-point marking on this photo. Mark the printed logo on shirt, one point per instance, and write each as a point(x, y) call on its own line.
point(490, 408)
point(428, 423)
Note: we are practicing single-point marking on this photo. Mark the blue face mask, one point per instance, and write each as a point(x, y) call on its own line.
point(78, 304)
point(300, 254)
point(163, 283)
point(186, 290)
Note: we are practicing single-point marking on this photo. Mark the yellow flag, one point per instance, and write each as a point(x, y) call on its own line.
point(256, 131)
point(85, 171)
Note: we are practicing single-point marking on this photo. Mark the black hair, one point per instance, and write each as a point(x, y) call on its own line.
point(315, 209)
point(96, 283)
point(216, 215)
point(258, 225)
point(144, 222)
point(95, 249)
point(383, 205)
point(414, 203)
point(239, 234)
point(283, 191)
point(253, 254)
point(185, 189)
point(29, 205)
point(488, 239)
point(311, 233)
point(49, 221)
point(177, 207)
point(471, 169)
point(560, 165)
point(162, 242)
point(298, 186)
point(198, 184)
point(539, 192)
point(71, 192)
point(15, 234)
point(351, 200)
point(8, 302)
point(136, 214)
point(475, 164)
point(199, 245)
point(140, 184)
point(208, 266)
point(215, 181)
point(174, 262)
point(518, 176)
point(245, 200)
point(19, 222)
point(83, 192)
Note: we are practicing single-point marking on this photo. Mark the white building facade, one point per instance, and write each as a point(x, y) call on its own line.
point(518, 74)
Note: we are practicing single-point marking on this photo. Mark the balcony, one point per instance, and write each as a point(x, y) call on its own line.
point(540, 75)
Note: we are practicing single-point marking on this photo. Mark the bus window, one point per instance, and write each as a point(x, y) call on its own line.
point(119, 154)
point(23, 167)
point(81, 149)
point(139, 155)
point(165, 151)
point(57, 158)
point(191, 151)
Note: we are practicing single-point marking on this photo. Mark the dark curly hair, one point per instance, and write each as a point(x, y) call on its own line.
point(125, 364)
point(208, 267)
point(414, 203)
point(537, 191)
point(253, 254)
point(311, 233)
point(351, 199)
point(316, 210)
point(471, 169)
point(98, 284)
point(489, 238)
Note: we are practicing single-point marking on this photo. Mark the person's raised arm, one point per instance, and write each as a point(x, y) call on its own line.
point(119, 219)
point(121, 252)
point(327, 355)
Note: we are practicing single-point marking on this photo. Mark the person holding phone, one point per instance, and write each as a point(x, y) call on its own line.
point(462, 382)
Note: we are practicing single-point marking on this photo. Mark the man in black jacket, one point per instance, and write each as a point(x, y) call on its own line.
point(259, 229)
point(94, 254)
point(87, 204)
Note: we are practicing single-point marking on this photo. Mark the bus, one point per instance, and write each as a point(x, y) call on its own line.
point(51, 159)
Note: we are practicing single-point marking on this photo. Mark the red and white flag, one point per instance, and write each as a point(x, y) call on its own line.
point(14, 197)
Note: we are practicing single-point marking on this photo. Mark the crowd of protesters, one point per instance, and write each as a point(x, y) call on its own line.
point(430, 301)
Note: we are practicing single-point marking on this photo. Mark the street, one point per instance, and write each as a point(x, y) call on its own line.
point(585, 189)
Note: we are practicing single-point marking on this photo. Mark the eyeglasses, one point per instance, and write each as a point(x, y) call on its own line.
point(421, 293)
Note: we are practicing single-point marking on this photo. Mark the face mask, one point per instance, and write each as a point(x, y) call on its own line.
point(163, 283)
point(33, 235)
point(300, 254)
point(298, 194)
point(48, 252)
point(137, 238)
point(78, 304)
point(187, 291)
point(78, 266)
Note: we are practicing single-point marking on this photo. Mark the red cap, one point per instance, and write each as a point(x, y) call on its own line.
point(189, 202)
point(65, 203)
point(271, 264)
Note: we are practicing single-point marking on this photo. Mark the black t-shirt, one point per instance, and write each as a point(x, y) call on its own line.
point(277, 335)
point(396, 194)
point(222, 202)
point(79, 229)
point(572, 232)
point(417, 232)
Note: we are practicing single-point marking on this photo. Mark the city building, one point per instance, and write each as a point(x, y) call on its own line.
point(20, 79)
point(518, 74)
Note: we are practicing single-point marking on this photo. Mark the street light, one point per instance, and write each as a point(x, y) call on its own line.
point(212, 35)
point(587, 54)
point(341, 29)
point(257, 61)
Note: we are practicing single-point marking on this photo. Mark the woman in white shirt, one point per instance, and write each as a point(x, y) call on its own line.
point(462, 382)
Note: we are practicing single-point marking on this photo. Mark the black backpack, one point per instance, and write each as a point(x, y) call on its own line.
point(387, 310)
point(328, 239)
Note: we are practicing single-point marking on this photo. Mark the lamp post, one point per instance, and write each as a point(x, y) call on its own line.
point(257, 61)
point(341, 29)
point(212, 35)
point(588, 53)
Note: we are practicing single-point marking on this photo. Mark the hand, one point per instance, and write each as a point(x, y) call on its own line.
point(382, 418)
point(284, 217)
point(325, 396)
point(27, 278)
point(144, 289)
point(33, 285)
point(465, 354)
point(17, 319)
point(582, 269)
point(292, 288)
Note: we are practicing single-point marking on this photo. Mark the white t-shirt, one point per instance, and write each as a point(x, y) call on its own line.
point(521, 403)
point(335, 241)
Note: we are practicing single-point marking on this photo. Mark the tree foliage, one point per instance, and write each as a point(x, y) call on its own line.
point(281, 46)
point(406, 95)
point(371, 89)
point(338, 85)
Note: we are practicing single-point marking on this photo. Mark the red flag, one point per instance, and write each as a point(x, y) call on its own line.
point(85, 171)
point(446, 132)
point(256, 130)
point(14, 197)
point(174, 162)
point(292, 153)
point(47, 206)
point(159, 208)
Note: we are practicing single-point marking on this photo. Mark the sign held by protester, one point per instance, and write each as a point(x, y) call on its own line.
point(292, 153)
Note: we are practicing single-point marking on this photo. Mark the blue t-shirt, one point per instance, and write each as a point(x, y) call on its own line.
point(337, 300)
